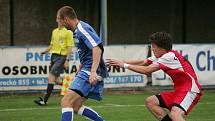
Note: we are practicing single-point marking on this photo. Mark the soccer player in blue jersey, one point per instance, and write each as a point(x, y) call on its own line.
point(88, 83)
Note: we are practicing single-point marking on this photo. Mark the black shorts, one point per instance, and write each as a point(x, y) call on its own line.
point(57, 64)
point(161, 101)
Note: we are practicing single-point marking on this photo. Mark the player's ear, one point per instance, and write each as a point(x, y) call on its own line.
point(66, 19)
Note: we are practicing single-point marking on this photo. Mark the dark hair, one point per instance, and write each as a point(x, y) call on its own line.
point(162, 40)
point(67, 11)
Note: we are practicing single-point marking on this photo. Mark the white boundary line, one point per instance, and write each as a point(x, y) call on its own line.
point(102, 106)
point(54, 108)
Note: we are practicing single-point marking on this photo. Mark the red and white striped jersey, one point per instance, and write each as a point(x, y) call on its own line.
point(179, 69)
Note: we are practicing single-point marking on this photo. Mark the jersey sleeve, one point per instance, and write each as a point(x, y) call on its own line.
point(89, 37)
point(70, 39)
point(152, 60)
point(169, 61)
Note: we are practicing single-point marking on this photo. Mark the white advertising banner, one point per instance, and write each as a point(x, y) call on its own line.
point(120, 77)
point(202, 58)
point(25, 69)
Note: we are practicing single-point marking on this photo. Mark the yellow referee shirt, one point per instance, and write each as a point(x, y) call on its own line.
point(61, 38)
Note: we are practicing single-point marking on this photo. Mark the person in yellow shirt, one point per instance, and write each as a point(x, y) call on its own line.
point(60, 48)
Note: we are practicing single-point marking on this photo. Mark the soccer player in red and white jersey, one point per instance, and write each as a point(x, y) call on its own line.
point(187, 90)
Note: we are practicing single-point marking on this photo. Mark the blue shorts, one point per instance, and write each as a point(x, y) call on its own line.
point(81, 83)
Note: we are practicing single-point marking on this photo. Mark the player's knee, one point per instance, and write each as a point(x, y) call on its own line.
point(176, 112)
point(76, 108)
point(51, 78)
point(77, 105)
point(150, 101)
point(65, 102)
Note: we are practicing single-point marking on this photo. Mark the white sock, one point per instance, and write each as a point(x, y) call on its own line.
point(89, 113)
point(67, 114)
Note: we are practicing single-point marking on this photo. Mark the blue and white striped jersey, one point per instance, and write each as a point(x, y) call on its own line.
point(85, 39)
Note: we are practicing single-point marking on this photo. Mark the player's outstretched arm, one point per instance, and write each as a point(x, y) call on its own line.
point(136, 68)
point(142, 69)
point(137, 62)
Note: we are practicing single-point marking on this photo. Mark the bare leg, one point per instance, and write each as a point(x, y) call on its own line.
point(59, 80)
point(69, 99)
point(67, 104)
point(79, 108)
point(177, 114)
point(152, 104)
point(51, 78)
point(78, 104)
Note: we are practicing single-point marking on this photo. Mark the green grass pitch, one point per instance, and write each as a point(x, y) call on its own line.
point(114, 107)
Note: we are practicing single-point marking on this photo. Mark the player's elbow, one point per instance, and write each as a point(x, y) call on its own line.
point(148, 70)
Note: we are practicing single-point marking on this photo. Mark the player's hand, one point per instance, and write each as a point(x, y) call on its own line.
point(93, 78)
point(112, 62)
